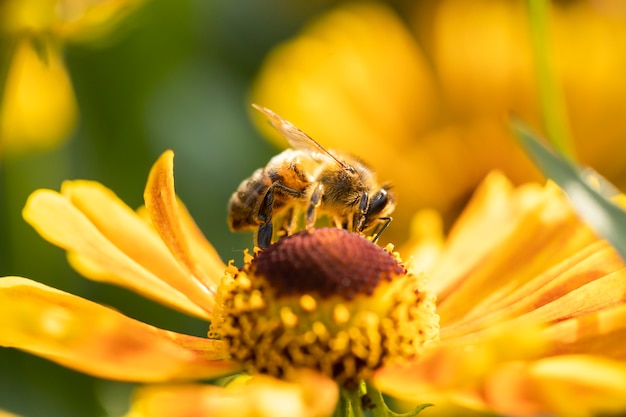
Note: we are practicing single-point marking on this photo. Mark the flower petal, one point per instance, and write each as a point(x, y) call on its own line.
point(88, 240)
point(500, 228)
point(91, 20)
point(592, 279)
point(38, 108)
point(600, 332)
point(598, 386)
point(177, 229)
point(458, 367)
point(138, 240)
point(427, 240)
point(88, 337)
point(308, 394)
point(7, 414)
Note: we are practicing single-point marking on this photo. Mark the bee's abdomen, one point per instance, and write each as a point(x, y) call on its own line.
point(244, 203)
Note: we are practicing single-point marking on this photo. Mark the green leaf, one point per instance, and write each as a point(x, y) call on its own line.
point(590, 202)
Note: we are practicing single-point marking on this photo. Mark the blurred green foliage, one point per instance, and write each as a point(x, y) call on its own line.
point(176, 75)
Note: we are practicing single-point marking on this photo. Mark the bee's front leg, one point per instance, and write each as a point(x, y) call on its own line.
point(383, 223)
point(314, 202)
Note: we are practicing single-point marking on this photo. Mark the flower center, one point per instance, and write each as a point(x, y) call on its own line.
point(324, 299)
point(327, 262)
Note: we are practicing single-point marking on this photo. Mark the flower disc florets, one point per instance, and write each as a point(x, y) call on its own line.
point(325, 299)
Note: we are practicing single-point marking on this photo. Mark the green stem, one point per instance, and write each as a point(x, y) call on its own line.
point(354, 403)
point(550, 96)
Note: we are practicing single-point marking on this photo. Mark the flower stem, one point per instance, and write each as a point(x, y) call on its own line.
point(355, 403)
point(550, 96)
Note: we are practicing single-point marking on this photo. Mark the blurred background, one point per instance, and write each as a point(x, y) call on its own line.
point(169, 75)
point(99, 89)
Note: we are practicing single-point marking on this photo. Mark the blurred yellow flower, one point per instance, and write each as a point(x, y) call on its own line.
point(531, 303)
point(38, 108)
point(426, 102)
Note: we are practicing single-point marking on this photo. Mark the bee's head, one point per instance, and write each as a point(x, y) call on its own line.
point(380, 206)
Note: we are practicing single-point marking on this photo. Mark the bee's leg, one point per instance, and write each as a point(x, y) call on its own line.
point(266, 229)
point(363, 207)
point(314, 202)
point(286, 223)
point(264, 235)
point(384, 222)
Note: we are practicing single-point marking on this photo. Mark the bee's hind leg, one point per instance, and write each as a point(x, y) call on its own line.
point(266, 229)
point(286, 222)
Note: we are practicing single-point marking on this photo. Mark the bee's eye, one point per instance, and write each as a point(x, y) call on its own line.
point(377, 202)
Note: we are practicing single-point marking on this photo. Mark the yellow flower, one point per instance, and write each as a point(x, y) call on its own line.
point(38, 108)
point(531, 304)
point(280, 315)
point(431, 97)
point(532, 308)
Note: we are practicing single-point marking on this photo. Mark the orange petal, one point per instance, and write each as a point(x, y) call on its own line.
point(88, 337)
point(143, 269)
point(176, 227)
point(308, 394)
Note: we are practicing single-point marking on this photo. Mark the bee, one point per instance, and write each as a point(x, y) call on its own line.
point(309, 180)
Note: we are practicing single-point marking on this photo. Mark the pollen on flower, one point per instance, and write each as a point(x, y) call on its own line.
point(288, 317)
point(327, 300)
point(308, 303)
point(341, 314)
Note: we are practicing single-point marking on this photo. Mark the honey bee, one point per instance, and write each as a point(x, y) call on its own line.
point(308, 179)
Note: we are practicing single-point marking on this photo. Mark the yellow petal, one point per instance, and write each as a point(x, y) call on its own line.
point(35, 16)
point(504, 238)
point(145, 268)
point(482, 55)
point(596, 90)
point(459, 367)
point(176, 227)
point(88, 337)
point(426, 242)
point(126, 230)
point(307, 395)
point(91, 20)
point(38, 109)
point(7, 414)
point(592, 279)
point(599, 332)
point(578, 386)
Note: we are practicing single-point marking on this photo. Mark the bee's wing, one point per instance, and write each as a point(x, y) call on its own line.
point(297, 138)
